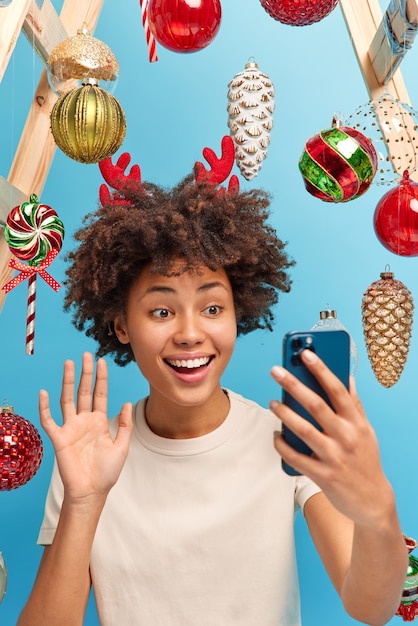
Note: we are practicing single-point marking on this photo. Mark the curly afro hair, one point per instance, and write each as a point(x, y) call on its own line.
point(194, 222)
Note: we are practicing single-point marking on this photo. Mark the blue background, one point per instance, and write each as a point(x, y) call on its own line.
point(174, 108)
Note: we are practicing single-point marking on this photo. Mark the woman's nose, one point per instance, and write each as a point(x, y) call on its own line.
point(189, 330)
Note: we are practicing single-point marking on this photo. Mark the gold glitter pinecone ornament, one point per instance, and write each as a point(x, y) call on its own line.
point(387, 324)
point(250, 117)
point(79, 58)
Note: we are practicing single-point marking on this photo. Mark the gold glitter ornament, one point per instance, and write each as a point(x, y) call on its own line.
point(250, 117)
point(79, 58)
point(387, 308)
point(88, 124)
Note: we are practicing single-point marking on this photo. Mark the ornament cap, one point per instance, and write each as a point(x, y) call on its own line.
point(5, 409)
point(251, 64)
point(328, 314)
point(337, 122)
point(386, 275)
point(90, 81)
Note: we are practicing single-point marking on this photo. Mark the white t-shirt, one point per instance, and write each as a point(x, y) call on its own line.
point(197, 532)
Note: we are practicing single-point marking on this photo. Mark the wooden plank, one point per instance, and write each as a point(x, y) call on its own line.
point(386, 61)
point(9, 197)
point(363, 18)
point(36, 147)
point(12, 18)
point(44, 28)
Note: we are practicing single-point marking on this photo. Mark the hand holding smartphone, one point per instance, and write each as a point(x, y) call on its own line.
point(332, 347)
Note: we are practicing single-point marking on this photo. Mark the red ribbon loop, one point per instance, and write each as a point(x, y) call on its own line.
point(28, 270)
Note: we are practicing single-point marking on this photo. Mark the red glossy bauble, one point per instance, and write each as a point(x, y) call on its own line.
point(21, 450)
point(298, 12)
point(184, 25)
point(396, 218)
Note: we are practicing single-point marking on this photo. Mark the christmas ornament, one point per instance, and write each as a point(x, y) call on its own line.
point(338, 163)
point(183, 25)
point(396, 218)
point(408, 608)
point(3, 577)
point(392, 126)
point(34, 233)
point(387, 308)
point(250, 117)
point(77, 59)
point(328, 320)
point(21, 450)
point(152, 48)
point(88, 123)
point(298, 12)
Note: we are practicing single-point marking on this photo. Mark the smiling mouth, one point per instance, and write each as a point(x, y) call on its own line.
point(188, 365)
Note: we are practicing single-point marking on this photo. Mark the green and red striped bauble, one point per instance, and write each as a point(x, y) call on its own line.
point(338, 164)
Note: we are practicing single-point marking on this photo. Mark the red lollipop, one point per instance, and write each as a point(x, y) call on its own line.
point(21, 450)
point(34, 233)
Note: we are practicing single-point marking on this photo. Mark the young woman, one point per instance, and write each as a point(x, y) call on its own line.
point(178, 511)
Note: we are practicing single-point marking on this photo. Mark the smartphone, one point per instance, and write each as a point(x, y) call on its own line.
point(333, 347)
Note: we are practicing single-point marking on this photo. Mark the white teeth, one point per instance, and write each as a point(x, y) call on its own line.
point(189, 363)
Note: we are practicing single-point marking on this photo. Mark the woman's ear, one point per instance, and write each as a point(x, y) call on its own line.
point(120, 329)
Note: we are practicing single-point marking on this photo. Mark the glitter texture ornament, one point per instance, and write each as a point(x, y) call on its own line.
point(21, 450)
point(184, 26)
point(298, 12)
point(88, 124)
point(79, 58)
point(396, 218)
point(3, 577)
point(338, 164)
point(392, 127)
point(387, 309)
point(250, 117)
point(408, 608)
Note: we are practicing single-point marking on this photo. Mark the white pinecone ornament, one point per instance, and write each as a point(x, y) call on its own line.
point(250, 117)
point(387, 325)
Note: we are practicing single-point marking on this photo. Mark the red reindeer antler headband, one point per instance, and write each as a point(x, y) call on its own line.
point(220, 169)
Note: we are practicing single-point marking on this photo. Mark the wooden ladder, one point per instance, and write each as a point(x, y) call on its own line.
point(35, 152)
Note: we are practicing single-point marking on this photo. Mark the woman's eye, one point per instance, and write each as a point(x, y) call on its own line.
point(161, 313)
point(213, 309)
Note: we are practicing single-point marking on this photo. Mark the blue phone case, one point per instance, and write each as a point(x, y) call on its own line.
point(333, 347)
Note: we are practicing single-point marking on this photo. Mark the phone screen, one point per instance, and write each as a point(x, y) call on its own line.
point(333, 347)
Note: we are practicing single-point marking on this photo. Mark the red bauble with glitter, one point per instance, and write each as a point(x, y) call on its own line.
point(184, 25)
point(21, 450)
point(396, 218)
point(298, 12)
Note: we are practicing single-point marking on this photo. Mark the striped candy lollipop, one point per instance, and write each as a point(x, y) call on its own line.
point(32, 230)
point(338, 164)
point(34, 233)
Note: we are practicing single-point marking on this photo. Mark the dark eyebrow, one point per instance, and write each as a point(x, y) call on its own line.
point(212, 285)
point(202, 288)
